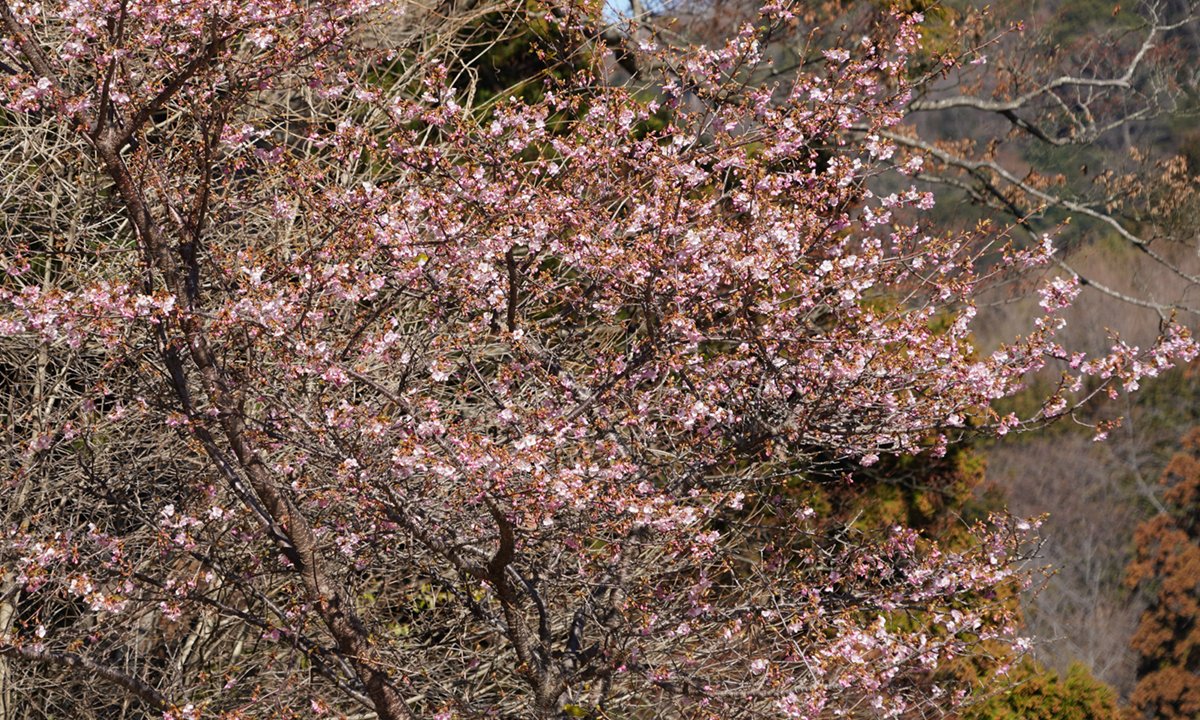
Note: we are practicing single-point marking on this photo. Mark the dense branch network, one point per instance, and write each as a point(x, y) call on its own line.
point(337, 385)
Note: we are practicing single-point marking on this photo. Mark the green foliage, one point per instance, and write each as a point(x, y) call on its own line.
point(1040, 694)
point(1079, 18)
point(935, 495)
point(509, 64)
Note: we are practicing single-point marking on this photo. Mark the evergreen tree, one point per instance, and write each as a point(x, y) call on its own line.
point(1040, 694)
point(1167, 566)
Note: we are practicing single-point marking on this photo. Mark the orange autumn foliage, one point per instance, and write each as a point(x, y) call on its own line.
point(1167, 565)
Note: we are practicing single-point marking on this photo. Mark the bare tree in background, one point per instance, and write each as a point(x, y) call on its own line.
point(1033, 120)
point(1082, 613)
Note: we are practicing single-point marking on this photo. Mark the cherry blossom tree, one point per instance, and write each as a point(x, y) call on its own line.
point(1040, 114)
point(330, 389)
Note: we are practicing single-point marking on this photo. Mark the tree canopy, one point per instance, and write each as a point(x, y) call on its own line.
point(334, 383)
